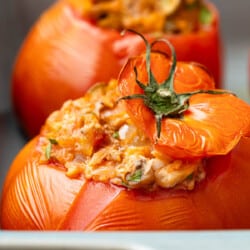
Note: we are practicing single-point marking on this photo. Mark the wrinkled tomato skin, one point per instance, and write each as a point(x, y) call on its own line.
point(43, 198)
point(64, 54)
point(28, 196)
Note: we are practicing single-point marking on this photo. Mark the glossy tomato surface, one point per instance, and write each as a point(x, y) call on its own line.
point(203, 129)
point(41, 197)
point(64, 54)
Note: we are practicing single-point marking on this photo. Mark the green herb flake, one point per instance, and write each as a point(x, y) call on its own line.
point(192, 5)
point(125, 184)
point(116, 135)
point(205, 15)
point(53, 141)
point(49, 147)
point(48, 151)
point(136, 176)
point(190, 177)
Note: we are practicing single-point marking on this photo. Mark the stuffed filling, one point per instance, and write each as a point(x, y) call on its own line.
point(94, 138)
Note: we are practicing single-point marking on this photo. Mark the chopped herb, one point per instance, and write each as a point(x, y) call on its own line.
point(116, 135)
point(125, 184)
point(205, 15)
point(190, 177)
point(192, 5)
point(48, 148)
point(48, 151)
point(136, 176)
point(53, 141)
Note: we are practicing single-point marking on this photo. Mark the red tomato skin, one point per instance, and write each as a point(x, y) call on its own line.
point(221, 201)
point(64, 54)
point(37, 195)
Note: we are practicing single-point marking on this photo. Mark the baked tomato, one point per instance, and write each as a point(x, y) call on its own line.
point(158, 149)
point(76, 43)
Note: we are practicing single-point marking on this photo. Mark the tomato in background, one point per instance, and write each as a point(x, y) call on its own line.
point(65, 53)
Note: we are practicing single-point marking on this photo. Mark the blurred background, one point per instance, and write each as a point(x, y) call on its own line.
point(17, 16)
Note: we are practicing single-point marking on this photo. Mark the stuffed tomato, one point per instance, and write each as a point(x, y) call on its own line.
point(76, 43)
point(158, 149)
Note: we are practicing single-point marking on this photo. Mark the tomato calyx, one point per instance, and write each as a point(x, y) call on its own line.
point(161, 98)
